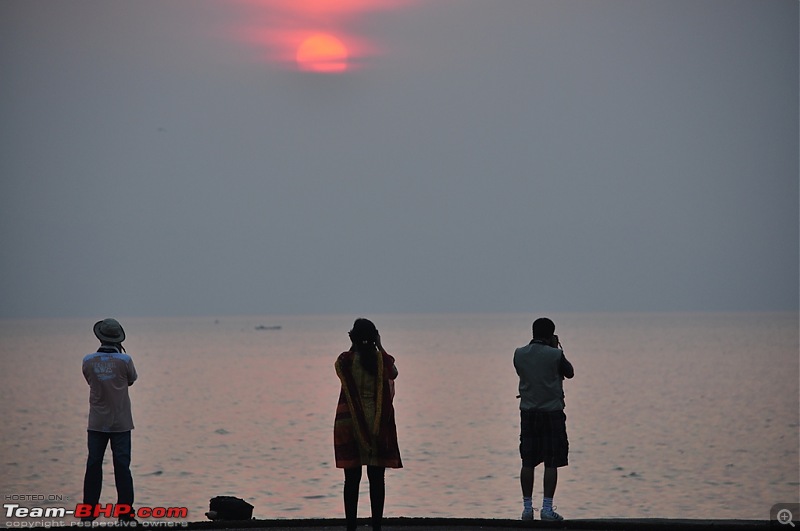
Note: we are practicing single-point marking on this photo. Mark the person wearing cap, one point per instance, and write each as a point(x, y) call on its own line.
point(109, 372)
point(542, 367)
point(364, 432)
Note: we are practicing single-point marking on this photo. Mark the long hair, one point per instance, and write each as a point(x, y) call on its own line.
point(364, 336)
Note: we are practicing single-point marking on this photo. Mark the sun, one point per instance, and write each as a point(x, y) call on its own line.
point(322, 53)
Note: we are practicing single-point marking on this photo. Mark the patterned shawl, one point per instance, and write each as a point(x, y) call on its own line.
point(351, 430)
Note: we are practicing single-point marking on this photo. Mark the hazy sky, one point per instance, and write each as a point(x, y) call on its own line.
point(168, 158)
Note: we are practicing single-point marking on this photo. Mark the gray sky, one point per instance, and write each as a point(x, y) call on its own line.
point(489, 155)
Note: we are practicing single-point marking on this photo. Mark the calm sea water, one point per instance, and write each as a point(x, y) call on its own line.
point(669, 415)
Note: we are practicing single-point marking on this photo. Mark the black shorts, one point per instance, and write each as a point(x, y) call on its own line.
point(543, 438)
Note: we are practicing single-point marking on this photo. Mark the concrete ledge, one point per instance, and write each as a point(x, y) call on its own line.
point(470, 524)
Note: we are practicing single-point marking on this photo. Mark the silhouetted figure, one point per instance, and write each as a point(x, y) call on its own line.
point(109, 372)
point(542, 367)
point(364, 430)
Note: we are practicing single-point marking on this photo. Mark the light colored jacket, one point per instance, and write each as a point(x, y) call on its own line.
point(541, 369)
point(109, 374)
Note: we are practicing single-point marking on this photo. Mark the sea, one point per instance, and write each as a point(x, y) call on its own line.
point(669, 415)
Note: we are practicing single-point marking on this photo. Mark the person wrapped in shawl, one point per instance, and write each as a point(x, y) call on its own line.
point(364, 432)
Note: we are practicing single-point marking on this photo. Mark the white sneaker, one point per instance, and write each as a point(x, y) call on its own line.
point(551, 515)
point(527, 514)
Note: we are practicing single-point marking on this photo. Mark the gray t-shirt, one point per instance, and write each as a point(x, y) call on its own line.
point(109, 373)
point(541, 369)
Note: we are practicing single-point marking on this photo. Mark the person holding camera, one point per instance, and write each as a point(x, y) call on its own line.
point(364, 432)
point(109, 373)
point(542, 367)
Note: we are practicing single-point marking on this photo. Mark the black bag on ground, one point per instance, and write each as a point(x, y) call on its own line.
point(229, 508)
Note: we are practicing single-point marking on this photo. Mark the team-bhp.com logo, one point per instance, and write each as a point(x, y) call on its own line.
point(88, 512)
point(121, 510)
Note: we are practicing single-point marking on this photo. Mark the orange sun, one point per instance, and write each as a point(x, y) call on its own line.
point(322, 53)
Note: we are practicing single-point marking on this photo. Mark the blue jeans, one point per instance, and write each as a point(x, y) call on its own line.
point(121, 450)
